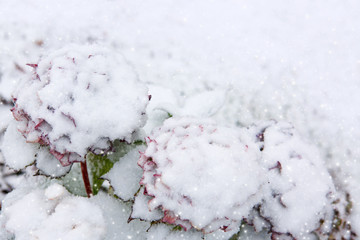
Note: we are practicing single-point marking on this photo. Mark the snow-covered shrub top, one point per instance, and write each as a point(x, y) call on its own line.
point(201, 175)
point(209, 177)
point(79, 98)
point(300, 187)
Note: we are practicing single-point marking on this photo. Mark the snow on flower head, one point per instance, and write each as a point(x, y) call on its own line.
point(78, 99)
point(201, 175)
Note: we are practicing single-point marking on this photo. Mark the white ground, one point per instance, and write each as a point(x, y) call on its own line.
point(298, 61)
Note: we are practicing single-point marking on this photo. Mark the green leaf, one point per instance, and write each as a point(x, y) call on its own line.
point(177, 228)
point(139, 142)
point(235, 236)
point(73, 181)
point(121, 148)
point(97, 166)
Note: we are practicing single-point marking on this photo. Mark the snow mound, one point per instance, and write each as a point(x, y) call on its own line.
point(201, 175)
point(78, 99)
point(52, 213)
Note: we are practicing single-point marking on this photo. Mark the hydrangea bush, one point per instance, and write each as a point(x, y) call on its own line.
point(79, 126)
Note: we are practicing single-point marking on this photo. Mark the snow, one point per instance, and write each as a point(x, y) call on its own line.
point(214, 166)
point(141, 210)
point(294, 61)
point(13, 144)
point(45, 209)
point(48, 164)
point(300, 187)
point(248, 233)
point(210, 177)
point(5, 117)
point(51, 213)
point(19, 46)
point(162, 99)
point(125, 175)
point(221, 235)
point(73, 218)
point(116, 215)
point(55, 191)
point(166, 232)
point(76, 98)
point(203, 104)
point(25, 215)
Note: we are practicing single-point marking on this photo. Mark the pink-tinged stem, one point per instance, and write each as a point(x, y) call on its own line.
point(86, 180)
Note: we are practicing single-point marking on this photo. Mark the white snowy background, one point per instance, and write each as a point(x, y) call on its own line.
point(297, 61)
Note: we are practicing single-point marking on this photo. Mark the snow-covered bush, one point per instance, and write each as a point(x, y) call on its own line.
point(190, 178)
point(208, 177)
point(79, 99)
point(201, 175)
point(300, 188)
point(76, 100)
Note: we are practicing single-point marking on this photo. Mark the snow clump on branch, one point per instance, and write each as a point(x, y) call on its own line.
point(78, 99)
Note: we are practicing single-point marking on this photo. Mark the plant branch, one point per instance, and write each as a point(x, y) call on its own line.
point(86, 180)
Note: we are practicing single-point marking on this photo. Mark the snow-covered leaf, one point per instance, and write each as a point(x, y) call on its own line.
point(140, 208)
point(48, 164)
point(167, 232)
point(116, 214)
point(73, 181)
point(125, 176)
point(17, 153)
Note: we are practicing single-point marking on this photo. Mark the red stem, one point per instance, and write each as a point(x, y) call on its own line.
point(85, 176)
